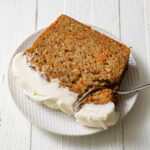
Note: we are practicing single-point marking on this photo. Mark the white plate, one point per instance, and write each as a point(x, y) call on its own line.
point(56, 121)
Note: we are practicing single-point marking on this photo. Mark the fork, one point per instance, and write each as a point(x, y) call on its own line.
point(93, 90)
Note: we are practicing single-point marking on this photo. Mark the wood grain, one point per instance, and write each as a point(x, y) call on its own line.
point(134, 33)
point(42, 139)
point(17, 22)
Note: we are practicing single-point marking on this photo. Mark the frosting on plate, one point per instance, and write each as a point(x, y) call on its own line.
point(38, 89)
point(99, 116)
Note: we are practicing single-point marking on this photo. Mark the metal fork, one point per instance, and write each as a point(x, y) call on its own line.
point(93, 90)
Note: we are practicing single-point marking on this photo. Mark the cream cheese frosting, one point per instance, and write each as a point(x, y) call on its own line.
point(99, 116)
point(38, 89)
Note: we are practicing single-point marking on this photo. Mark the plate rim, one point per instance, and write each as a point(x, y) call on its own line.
point(51, 131)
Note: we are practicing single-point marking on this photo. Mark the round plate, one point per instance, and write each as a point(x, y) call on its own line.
point(56, 121)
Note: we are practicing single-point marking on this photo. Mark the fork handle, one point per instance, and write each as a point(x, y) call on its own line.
point(134, 89)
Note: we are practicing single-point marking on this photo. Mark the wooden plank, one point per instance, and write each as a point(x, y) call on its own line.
point(47, 11)
point(136, 33)
point(110, 139)
point(77, 143)
point(80, 10)
point(147, 28)
point(17, 22)
point(105, 14)
point(42, 139)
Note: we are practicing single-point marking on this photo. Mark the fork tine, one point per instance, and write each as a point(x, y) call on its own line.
point(85, 95)
point(82, 99)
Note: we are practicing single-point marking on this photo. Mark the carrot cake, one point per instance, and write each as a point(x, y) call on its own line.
point(66, 61)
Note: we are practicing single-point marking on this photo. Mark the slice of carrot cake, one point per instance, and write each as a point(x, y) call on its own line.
point(70, 58)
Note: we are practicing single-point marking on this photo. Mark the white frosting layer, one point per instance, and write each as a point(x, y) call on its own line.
point(99, 116)
point(38, 89)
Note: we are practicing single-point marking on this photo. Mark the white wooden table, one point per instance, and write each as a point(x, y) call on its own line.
point(127, 19)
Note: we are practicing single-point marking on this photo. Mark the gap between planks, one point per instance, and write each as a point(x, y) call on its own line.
point(36, 20)
point(122, 125)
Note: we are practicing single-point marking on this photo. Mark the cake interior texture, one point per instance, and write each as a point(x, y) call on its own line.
point(102, 97)
point(80, 57)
